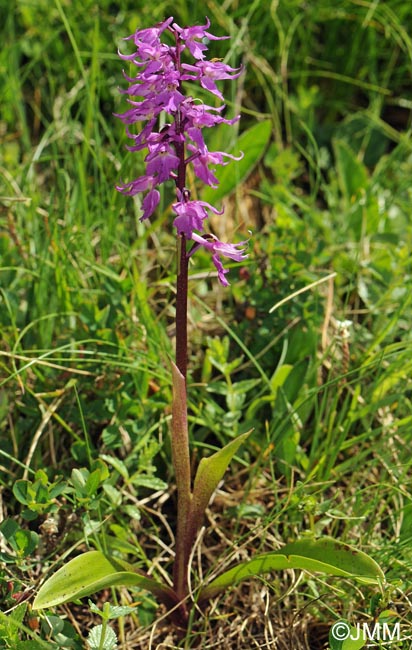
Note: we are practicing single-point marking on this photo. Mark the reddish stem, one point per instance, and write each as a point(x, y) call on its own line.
point(180, 437)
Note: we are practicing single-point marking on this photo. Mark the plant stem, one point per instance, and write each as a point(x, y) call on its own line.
point(180, 436)
point(182, 259)
point(181, 464)
point(181, 305)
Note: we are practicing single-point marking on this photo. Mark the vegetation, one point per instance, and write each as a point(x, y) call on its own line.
point(309, 346)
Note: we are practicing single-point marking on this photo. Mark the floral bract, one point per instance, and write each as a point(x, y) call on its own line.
point(158, 87)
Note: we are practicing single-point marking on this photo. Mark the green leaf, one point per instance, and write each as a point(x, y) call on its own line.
point(20, 489)
point(209, 473)
point(113, 493)
point(42, 493)
point(323, 555)
point(95, 640)
point(41, 477)
point(353, 176)
point(253, 144)
point(245, 385)
point(151, 482)
point(16, 616)
point(91, 572)
point(111, 611)
point(79, 478)
point(10, 625)
point(57, 490)
point(31, 645)
point(8, 528)
point(25, 541)
point(279, 377)
point(117, 464)
point(92, 483)
point(354, 644)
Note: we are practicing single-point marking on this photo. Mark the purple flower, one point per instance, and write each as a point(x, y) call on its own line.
point(200, 162)
point(161, 161)
point(201, 115)
point(235, 252)
point(191, 36)
point(146, 110)
point(139, 185)
point(210, 71)
point(150, 203)
point(150, 35)
point(190, 216)
point(140, 140)
point(151, 200)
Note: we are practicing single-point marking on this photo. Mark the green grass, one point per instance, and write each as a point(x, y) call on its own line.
point(87, 305)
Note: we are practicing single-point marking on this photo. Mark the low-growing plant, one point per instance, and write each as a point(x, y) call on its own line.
point(173, 124)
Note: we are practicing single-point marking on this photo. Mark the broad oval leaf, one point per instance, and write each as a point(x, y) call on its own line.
point(323, 555)
point(91, 572)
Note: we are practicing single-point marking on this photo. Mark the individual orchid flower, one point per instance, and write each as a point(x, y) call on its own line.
point(201, 162)
point(191, 215)
point(210, 71)
point(138, 185)
point(235, 252)
point(151, 34)
point(161, 162)
point(195, 36)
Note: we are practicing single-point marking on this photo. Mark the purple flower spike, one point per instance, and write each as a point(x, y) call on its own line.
point(170, 126)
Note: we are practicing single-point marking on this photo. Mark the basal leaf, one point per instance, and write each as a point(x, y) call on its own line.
point(91, 572)
point(323, 555)
point(337, 555)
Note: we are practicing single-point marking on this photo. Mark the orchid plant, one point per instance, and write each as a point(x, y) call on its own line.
point(172, 130)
